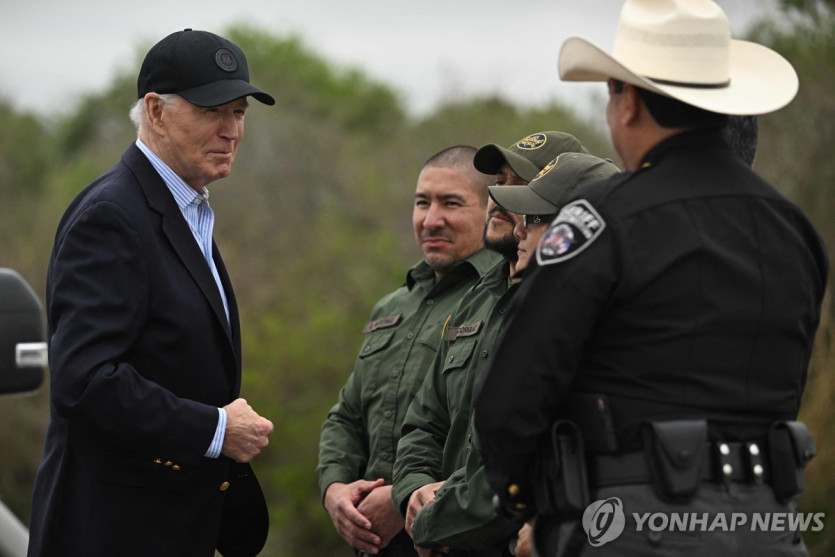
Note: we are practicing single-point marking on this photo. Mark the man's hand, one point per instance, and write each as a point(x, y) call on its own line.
point(419, 499)
point(341, 501)
point(246, 432)
point(523, 541)
point(385, 520)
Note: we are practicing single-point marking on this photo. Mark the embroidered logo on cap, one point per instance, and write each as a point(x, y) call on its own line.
point(532, 142)
point(577, 225)
point(547, 168)
point(225, 60)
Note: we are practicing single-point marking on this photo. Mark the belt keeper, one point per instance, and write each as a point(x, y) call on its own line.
point(755, 463)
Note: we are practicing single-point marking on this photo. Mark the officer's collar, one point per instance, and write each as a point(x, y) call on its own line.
point(687, 140)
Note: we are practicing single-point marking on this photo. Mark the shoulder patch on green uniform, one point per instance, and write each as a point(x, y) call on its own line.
point(463, 330)
point(577, 225)
point(382, 323)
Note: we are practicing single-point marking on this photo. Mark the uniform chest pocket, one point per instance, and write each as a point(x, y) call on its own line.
point(458, 355)
point(375, 342)
point(456, 372)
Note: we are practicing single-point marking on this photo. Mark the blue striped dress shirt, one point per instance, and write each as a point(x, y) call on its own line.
point(201, 221)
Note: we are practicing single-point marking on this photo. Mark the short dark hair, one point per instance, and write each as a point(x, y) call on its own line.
point(452, 157)
point(672, 113)
point(741, 133)
point(460, 159)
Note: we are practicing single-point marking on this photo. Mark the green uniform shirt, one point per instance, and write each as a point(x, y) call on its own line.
point(359, 437)
point(437, 437)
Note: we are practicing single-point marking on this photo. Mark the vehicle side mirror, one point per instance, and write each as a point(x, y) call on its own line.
point(23, 352)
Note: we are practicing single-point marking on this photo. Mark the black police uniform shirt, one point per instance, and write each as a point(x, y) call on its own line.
point(688, 288)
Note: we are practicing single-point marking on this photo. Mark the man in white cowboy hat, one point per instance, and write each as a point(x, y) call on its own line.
point(661, 341)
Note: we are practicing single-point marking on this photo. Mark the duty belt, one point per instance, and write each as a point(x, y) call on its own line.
point(741, 462)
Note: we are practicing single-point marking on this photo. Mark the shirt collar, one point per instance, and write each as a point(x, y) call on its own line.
point(687, 140)
point(478, 263)
point(183, 194)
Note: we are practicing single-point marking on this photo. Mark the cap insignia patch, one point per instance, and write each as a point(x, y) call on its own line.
point(577, 225)
point(547, 168)
point(225, 60)
point(532, 142)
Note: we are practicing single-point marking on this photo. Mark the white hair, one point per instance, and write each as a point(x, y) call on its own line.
point(137, 111)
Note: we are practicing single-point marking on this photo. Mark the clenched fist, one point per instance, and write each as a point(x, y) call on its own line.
point(246, 432)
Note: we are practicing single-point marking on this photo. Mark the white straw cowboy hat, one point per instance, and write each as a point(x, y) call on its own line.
point(683, 49)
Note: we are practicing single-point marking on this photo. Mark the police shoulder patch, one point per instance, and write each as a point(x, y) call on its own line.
point(577, 225)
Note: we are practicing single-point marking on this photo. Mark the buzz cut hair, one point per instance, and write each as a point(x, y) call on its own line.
point(460, 159)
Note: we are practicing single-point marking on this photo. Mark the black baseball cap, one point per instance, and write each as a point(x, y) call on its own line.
point(203, 68)
point(527, 156)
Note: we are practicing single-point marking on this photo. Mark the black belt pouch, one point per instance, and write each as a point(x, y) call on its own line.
point(790, 447)
point(675, 452)
point(563, 488)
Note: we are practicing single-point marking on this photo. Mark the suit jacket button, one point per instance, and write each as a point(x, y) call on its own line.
point(224, 486)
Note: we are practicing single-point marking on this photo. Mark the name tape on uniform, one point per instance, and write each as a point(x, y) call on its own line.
point(463, 330)
point(382, 323)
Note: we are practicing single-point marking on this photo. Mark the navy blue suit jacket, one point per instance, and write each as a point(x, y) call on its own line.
point(141, 356)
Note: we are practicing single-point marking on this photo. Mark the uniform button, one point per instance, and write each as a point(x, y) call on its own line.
point(451, 359)
point(157, 461)
point(387, 413)
point(484, 354)
point(395, 373)
point(224, 486)
point(385, 456)
point(169, 463)
point(176, 468)
point(430, 302)
point(410, 335)
point(501, 311)
point(366, 348)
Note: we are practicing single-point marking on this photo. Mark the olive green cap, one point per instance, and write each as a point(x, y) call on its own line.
point(527, 156)
point(554, 185)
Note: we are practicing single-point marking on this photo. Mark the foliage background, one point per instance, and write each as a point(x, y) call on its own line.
point(314, 225)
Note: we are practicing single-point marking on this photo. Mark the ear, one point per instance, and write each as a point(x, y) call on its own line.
point(631, 106)
point(154, 111)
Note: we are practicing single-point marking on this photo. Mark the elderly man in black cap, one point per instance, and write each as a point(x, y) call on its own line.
point(148, 445)
point(657, 354)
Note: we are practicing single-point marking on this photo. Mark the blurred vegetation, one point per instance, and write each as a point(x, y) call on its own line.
point(314, 224)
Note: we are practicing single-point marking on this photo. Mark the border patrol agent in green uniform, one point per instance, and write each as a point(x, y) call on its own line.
point(359, 437)
point(438, 441)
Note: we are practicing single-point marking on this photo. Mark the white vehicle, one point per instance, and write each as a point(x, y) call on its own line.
point(23, 360)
